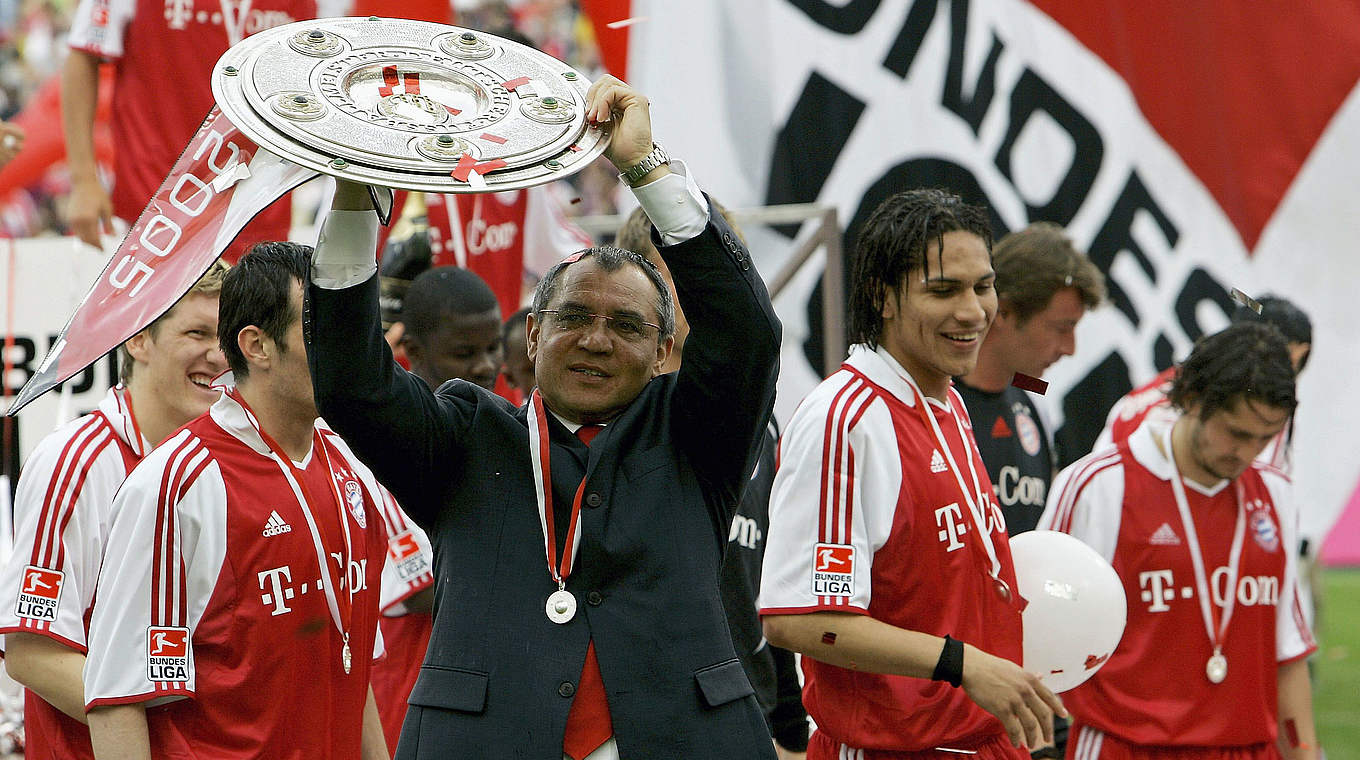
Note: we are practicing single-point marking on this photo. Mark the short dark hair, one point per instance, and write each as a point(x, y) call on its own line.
point(893, 242)
point(257, 291)
point(1289, 319)
point(439, 292)
point(610, 259)
point(1035, 263)
point(515, 322)
point(1245, 360)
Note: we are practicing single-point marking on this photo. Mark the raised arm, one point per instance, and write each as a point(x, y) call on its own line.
point(732, 353)
point(389, 417)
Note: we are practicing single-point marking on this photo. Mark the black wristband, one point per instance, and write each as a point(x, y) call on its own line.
point(950, 666)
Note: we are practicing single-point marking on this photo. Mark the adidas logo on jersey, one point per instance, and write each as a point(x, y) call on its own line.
point(1165, 536)
point(937, 462)
point(276, 526)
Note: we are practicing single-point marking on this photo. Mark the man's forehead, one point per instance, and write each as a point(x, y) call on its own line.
point(587, 282)
point(1249, 410)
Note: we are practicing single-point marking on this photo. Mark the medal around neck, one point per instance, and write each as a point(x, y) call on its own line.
point(408, 104)
point(561, 606)
point(1216, 668)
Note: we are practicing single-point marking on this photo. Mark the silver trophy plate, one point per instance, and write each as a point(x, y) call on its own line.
point(409, 104)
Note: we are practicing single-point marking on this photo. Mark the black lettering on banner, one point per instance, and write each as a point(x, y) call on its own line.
point(1102, 386)
point(1031, 96)
point(1117, 235)
point(909, 38)
point(1200, 286)
point(20, 359)
point(843, 18)
point(1163, 353)
point(806, 149)
point(971, 110)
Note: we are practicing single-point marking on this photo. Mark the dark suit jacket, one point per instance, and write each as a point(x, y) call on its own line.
point(662, 484)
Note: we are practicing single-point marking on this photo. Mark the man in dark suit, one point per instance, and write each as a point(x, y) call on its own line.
point(618, 646)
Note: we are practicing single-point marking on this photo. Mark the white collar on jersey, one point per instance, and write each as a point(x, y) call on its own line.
point(886, 372)
point(1143, 444)
point(114, 409)
point(232, 418)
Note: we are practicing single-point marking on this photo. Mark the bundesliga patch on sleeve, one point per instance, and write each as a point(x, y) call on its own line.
point(167, 653)
point(39, 591)
point(833, 570)
point(406, 556)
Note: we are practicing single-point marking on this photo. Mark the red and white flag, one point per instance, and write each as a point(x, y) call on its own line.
point(220, 182)
point(1190, 149)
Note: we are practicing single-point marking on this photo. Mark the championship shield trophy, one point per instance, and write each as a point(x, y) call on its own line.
point(392, 103)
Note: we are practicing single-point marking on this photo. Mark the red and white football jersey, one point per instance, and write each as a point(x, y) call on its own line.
point(866, 517)
point(61, 518)
point(213, 589)
point(1150, 402)
point(164, 52)
point(502, 236)
point(1153, 689)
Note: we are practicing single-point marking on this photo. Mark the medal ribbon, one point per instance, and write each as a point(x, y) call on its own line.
point(341, 609)
point(538, 455)
point(1197, 559)
point(974, 498)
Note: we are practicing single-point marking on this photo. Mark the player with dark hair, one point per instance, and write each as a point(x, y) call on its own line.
point(1150, 400)
point(240, 590)
point(63, 505)
point(1289, 319)
point(1044, 286)
point(1213, 659)
point(518, 367)
point(452, 327)
point(887, 565)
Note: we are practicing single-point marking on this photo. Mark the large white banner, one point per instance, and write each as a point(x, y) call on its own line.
point(772, 101)
point(43, 280)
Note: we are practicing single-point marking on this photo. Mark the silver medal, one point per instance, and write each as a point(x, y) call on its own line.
point(1216, 668)
point(346, 659)
point(561, 606)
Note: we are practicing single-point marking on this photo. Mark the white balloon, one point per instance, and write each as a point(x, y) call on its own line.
point(1076, 607)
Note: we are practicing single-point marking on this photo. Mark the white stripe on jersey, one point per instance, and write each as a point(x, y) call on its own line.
point(1082, 472)
point(75, 463)
point(185, 462)
point(838, 493)
point(1088, 743)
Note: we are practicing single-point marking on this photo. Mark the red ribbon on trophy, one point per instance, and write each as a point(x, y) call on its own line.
point(220, 182)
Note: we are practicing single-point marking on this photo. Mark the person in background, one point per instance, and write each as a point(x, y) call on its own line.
point(163, 56)
point(519, 368)
point(452, 328)
point(1213, 660)
point(1044, 287)
point(64, 505)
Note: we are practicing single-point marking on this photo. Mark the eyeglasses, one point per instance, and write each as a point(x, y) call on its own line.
point(575, 320)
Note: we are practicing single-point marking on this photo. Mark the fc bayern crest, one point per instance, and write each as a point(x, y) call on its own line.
point(354, 496)
point(1026, 430)
point(1263, 529)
